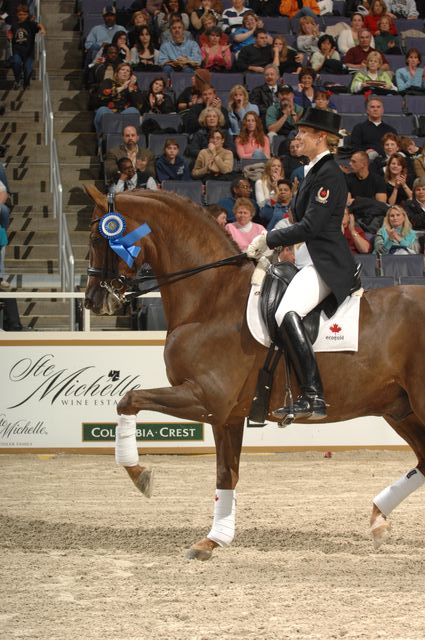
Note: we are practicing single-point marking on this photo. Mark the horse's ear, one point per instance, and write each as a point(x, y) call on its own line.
point(97, 196)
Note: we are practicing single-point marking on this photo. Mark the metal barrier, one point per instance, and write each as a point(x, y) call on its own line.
point(66, 255)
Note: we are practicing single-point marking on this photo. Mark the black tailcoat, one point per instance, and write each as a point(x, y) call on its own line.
point(318, 210)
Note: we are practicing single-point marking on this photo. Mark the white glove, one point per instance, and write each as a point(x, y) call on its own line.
point(258, 248)
point(260, 271)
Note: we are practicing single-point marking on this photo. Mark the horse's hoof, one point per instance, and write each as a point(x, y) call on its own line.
point(202, 550)
point(380, 531)
point(198, 554)
point(144, 482)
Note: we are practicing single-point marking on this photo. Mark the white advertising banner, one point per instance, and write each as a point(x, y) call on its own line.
point(62, 394)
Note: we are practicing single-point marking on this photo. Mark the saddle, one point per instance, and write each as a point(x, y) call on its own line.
point(274, 286)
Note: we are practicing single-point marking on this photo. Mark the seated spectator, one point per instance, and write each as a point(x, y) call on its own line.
point(156, 99)
point(412, 75)
point(218, 213)
point(233, 16)
point(244, 230)
point(245, 34)
point(171, 165)
point(292, 156)
point(304, 97)
point(4, 223)
point(252, 142)
point(385, 41)
point(402, 9)
point(392, 144)
point(377, 9)
point(191, 96)
point(208, 22)
point(265, 7)
point(119, 95)
point(322, 100)
point(277, 208)
point(240, 188)
point(266, 186)
point(22, 37)
point(255, 57)
point(238, 106)
point(396, 180)
point(282, 116)
point(419, 164)
point(179, 53)
point(308, 35)
point(120, 41)
point(139, 20)
point(266, 94)
point(285, 58)
point(367, 136)
point(410, 149)
point(415, 207)
point(296, 9)
point(216, 56)
point(214, 162)
point(193, 5)
point(362, 183)
point(102, 34)
point(349, 38)
point(396, 235)
point(128, 178)
point(205, 9)
point(104, 65)
point(164, 18)
point(209, 120)
point(144, 56)
point(355, 58)
point(129, 148)
point(326, 59)
point(209, 98)
point(372, 78)
point(354, 234)
point(149, 7)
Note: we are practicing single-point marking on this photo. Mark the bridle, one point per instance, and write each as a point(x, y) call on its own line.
point(125, 289)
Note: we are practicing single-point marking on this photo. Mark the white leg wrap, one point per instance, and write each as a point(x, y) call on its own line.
point(395, 493)
point(125, 442)
point(223, 528)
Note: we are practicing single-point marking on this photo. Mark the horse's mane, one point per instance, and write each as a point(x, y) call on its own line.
point(191, 217)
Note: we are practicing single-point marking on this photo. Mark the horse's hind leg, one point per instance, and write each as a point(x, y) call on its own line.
point(228, 443)
point(412, 430)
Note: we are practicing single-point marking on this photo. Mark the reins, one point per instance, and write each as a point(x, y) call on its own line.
point(170, 278)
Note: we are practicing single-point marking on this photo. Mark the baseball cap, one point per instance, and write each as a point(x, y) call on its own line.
point(109, 10)
point(285, 88)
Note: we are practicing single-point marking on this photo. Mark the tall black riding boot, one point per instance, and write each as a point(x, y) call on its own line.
point(310, 404)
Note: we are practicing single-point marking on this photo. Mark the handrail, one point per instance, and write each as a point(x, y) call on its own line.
point(66, 254)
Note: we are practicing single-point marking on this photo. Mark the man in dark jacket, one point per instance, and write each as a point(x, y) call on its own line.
point(329, 272)
point(254, 57)
point(266, 94)
point(129, 148)
point(367, 136)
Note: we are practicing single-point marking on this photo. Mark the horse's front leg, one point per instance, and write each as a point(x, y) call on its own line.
point(182, 401)
point(228, 443)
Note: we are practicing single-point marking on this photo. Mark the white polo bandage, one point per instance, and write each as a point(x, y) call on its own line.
point(223, 528)
point(125, 442)
point(391, 496)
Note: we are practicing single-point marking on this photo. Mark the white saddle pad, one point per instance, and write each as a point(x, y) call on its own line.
point(339, 333)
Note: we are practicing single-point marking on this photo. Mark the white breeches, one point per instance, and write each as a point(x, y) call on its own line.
point(304, 293)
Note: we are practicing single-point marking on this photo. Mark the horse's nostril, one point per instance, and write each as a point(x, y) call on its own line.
point(88, 303)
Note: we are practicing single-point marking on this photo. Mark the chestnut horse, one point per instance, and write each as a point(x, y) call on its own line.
point(211, 359)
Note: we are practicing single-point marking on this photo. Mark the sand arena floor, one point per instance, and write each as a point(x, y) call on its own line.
point(84, 556)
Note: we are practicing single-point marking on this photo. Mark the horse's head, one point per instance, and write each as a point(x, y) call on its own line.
point(107, 271)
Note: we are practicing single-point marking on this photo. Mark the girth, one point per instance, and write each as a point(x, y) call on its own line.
point(274, 286)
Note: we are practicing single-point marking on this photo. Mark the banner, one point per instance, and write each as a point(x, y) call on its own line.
point(65, 396)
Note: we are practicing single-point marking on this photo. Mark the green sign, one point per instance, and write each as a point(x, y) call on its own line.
point(146, 431)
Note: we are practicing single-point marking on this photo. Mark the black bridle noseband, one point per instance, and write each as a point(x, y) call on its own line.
point(132, 285)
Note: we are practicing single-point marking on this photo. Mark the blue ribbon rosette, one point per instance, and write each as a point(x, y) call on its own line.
point(112, 227)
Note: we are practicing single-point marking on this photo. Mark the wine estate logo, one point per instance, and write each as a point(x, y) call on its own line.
point(42, 379)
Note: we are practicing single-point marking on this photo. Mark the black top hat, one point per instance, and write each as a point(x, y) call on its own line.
point(321, 120)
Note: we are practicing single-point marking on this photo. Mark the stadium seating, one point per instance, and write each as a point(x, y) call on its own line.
point(215, 190)
point(115, 122)
point(191, 189)
point(144, 78)
point(376, 282)
point(368, 262)
point(165, 120)
point(398, 265)
point(418, 280)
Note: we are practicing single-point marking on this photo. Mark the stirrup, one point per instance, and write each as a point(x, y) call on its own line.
point(309, 407)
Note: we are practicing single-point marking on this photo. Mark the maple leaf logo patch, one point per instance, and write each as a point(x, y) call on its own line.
point(335, 328)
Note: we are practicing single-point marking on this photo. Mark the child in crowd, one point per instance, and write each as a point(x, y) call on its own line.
point(128, 178)
point(219, 213)
point(22, 35)
point(171, 165)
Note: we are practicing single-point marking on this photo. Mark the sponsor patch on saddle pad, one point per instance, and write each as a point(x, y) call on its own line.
point(339, 333)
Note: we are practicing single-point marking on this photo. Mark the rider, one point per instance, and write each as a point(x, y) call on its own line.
point(318, 210)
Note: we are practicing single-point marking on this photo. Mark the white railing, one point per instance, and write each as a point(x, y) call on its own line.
point(66, 254)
